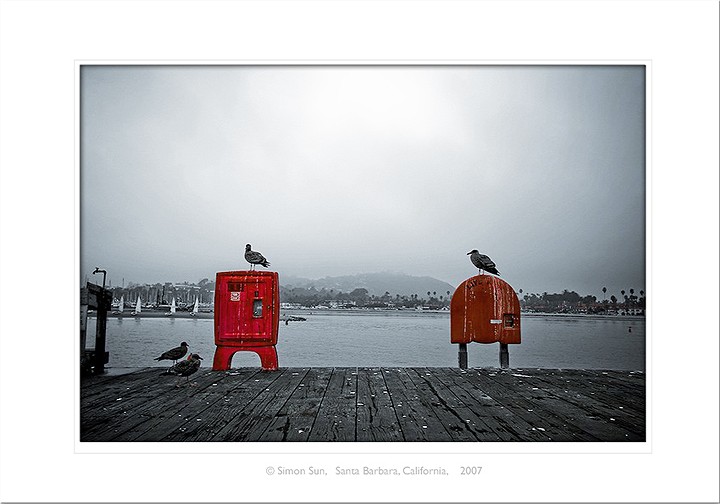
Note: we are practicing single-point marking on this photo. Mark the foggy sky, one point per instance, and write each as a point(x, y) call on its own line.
point(339, 170)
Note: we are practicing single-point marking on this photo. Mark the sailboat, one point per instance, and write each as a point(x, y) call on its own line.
point(121, 306)
point(172, 309)
point(195, 308)
point(138, 307)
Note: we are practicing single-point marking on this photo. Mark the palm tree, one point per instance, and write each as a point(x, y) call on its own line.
point(604, 289)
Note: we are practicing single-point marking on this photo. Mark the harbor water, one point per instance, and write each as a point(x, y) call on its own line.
point(387, 339)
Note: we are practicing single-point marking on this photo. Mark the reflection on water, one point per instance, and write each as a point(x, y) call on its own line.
point(389, 339)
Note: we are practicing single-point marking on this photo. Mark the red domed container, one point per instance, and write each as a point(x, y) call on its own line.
point(485, 309)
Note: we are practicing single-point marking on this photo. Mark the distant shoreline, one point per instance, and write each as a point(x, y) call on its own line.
point(595, 316)
point(325, 311)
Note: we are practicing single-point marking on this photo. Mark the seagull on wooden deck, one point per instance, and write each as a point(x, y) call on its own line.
point(185, 368)
point(254, 257)
point(482, 262)
point(174, 353)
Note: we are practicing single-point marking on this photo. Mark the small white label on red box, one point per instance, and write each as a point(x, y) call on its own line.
point(234, 296)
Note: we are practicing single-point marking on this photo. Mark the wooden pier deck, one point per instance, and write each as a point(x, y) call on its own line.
point(365, 404)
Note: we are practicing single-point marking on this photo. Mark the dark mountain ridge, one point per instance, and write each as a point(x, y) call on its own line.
point(375, 283)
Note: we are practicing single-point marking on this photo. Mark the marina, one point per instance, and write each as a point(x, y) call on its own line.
point(359, 404)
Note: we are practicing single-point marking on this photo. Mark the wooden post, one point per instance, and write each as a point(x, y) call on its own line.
point(462, 355)
point(83, 321)
point(101, 300)
point(100, 337)
point(504, 356)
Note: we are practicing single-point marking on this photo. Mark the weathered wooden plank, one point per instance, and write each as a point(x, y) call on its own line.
point(506, 424)
point(458, 415)
point(601, 384)
point(616, 413)
point(294, 421)
point(631, 379)
point(191, 412)
point(620, 382)
point(129, 411)
point(531, 405)
point(598, 385)
point(252, 418)
point(98, 407)
point(336, 417)
point(163, 399)
point(376, 418)
point(119, 385)
point(415, 414)
point(561, 420)
point(443, 404)
point(616, 388)
point(245, 385)
point(92, 381)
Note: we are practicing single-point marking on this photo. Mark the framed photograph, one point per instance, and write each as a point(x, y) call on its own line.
point(366, 185)
point(359, 251)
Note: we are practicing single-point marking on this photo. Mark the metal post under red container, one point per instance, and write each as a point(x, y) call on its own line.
point(247, 316)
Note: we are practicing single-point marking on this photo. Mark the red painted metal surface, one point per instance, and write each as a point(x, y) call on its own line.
point(484, 309)
point(247, 316)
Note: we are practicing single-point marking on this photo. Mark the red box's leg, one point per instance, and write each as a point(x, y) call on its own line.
point(223, 357)
point(268, 357)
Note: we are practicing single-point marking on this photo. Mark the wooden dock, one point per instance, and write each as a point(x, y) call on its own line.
point(365, 404)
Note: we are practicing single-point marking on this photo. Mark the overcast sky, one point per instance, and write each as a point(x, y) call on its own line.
point(340, 170)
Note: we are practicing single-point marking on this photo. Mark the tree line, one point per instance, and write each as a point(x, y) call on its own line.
point(572, 302)
point(563, 302)
point(361, 298)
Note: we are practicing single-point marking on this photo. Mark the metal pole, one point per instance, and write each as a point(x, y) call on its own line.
point(98, 270)
point(462, 355)
point(504, 356)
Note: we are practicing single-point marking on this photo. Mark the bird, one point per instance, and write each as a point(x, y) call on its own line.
point(254, 257)
point(185, 367)
point(483, 262)
point(174, 353)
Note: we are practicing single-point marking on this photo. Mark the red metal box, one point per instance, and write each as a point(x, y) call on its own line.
point(247, 316)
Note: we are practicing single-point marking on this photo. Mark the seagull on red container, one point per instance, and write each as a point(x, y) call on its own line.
point(482, 262)
point(254, 257)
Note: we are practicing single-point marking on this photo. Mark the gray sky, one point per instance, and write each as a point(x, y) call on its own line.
point(340, 170)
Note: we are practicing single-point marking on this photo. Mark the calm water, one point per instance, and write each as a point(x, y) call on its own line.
point(389, 339)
